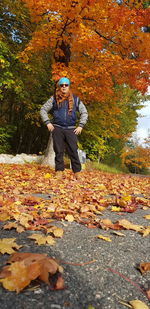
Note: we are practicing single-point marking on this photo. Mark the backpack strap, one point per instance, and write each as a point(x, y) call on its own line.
point(76, 101)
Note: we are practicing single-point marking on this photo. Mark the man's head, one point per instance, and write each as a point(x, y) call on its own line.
point(64, 84)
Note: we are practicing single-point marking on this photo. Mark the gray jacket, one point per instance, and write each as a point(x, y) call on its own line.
point(59, 115)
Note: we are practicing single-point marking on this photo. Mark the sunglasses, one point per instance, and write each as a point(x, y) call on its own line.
point(64, 85)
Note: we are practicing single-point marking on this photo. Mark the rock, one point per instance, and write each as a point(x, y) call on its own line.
point(20, 158)
point(4, 158)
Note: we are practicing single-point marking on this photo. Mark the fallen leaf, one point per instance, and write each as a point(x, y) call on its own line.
point(19, 276)
point(115, 208)
point(57, 231)
point(143, 267)
point(26, 267)
point(4, 216)
point(148, 294)
point(104, 237)
point(130, 226)
point(118, 233)
point(147, 216)
point(14, 225)
point(69, 218)
point(7, 245)
point(42, 240)
point(47, 175)
point(145, 231)
point(138, 304)
point(59, 285)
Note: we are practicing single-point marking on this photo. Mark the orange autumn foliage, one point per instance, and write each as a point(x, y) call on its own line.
point(138, 157)
point(97, 44)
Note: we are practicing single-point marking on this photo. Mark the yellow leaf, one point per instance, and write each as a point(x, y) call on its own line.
point(104, 237)
point(58, 232)
point(7, 245)
point(115, 208)
point(42, 240)
point(69, 218)
point(138, 304)
point(145, 231)
point(4, 216)
point(14, 225)
point(130, 226)
point(101, 187)
point(18, 203)
point(47, 175)
point(24, 218)
point(147, 217)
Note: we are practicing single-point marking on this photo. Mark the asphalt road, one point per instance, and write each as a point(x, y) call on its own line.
point(109, 277)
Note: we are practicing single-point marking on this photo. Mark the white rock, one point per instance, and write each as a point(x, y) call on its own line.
point(20, 158)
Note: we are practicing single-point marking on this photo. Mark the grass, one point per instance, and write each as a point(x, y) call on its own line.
point(105, 168)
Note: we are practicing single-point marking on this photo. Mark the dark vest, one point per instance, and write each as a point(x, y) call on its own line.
point(61, 117)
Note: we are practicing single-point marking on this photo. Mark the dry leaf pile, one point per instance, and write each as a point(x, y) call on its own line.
point(84, 201)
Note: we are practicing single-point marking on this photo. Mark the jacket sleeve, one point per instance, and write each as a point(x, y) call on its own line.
point(45, 109)
point(83, 114)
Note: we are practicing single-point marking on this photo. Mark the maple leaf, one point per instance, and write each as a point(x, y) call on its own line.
point(56, 231)
point(7, 245)
point(14, 225)
point(26, 267)
point(42, 240)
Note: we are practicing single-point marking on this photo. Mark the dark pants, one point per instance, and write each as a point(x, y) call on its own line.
point(62, 137)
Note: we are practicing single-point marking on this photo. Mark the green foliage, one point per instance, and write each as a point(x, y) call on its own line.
point(6, 76)
point(105, 168)
point(6, 135)
point(93, 145)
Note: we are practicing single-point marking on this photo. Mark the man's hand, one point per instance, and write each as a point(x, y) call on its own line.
point(50, 127)
point(78, 130)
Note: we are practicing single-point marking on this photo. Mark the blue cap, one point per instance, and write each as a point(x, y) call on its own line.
point(63, 80)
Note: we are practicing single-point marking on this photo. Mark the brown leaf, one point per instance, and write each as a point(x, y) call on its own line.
point(143, 267)
point(59, 285)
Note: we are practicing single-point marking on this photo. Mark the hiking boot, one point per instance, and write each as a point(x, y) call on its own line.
point(59, 174)
point(77, 175)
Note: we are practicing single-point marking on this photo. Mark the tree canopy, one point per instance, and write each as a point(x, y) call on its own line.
point(98, 44)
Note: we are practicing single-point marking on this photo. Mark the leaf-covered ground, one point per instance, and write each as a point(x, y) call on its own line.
point(40, 212)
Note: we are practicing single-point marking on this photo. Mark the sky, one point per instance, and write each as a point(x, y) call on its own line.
point(143, 122)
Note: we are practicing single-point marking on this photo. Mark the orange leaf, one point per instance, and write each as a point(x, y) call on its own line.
point(26, 267)
point(143, 267)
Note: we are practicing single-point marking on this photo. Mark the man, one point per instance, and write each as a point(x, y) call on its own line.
point(63, 107)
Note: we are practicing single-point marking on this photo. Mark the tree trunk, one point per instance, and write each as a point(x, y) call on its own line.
point(65, 59)
point(49, 157)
